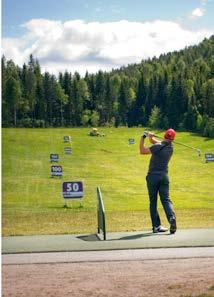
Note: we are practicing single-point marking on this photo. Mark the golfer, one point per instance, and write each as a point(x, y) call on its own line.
point(157, 178)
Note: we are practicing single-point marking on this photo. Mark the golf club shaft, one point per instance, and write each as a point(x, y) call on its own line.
point(180, 143)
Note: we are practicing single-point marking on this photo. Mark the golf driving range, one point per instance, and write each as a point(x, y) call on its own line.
point(32, 202)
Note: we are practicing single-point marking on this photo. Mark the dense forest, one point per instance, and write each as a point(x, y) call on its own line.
point(175, 90)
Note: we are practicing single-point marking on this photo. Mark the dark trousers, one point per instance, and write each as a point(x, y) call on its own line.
point(159, 184)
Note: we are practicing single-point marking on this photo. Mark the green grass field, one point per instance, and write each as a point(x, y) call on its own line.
point(32, 202)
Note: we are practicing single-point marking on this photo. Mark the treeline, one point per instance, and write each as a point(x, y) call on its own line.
point(176, 90)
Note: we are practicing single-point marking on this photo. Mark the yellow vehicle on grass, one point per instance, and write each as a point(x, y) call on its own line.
point(95, 132)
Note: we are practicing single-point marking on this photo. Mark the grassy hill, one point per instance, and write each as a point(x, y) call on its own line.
point(32, 202)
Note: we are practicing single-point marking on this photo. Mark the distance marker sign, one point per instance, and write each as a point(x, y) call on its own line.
point(54, 157)
point(67, 138)
point(67, 150)
point(209, 157)
point(131, 141)
point(72, 190)
point(56, 170)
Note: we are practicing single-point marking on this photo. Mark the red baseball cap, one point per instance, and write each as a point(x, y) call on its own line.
point(170, 134)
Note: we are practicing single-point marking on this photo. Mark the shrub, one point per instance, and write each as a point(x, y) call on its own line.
point(39, 124)
point(25, 123)
point(209, 128)
point(155, 118)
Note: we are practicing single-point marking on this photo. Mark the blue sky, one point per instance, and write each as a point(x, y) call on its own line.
point(99, 34)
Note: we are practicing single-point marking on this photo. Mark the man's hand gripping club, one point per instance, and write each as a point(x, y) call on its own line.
point(145, 150)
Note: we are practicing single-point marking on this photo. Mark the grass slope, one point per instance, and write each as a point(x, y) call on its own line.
point(32, 201)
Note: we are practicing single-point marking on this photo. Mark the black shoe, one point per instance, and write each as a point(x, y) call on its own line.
point(173, 226)
point(159, 229)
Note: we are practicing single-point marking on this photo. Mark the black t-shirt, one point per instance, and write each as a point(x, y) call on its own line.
point(161, 154)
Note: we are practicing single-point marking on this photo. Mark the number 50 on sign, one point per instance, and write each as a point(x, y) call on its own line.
point(72, 190)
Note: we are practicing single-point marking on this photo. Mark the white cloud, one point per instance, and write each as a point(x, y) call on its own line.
point(12, 48)
point(197, 13)
point(79, 46)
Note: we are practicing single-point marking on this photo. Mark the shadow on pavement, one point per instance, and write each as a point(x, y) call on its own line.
point(90, 237)
point(95, 237)
point(136, 236)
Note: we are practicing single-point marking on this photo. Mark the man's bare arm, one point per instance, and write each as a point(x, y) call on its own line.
point(144, 150)
point(152, 138)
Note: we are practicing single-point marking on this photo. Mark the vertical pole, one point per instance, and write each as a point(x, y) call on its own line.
point(100, 214)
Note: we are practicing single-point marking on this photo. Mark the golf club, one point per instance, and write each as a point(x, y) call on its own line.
point(179, 143)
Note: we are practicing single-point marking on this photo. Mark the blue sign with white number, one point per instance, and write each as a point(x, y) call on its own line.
point(72, 190)
point(67, 150)
point(131, 141)
point(209, 157)
point(56, 171)
point(54, 157)
point(67, 138)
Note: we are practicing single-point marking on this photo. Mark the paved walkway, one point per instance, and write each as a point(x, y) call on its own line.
point(114, 241)
point(110, 256)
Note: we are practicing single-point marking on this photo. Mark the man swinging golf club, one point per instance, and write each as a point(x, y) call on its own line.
point(157, 178)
